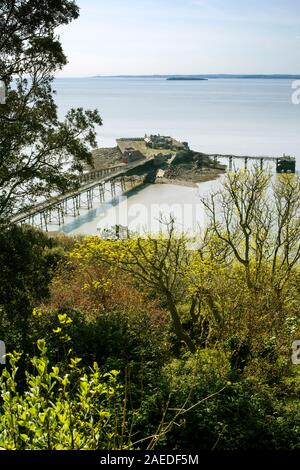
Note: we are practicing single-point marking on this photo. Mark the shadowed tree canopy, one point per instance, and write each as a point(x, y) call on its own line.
point(39, 155)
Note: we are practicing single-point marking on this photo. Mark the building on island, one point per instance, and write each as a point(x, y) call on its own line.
point(164, 142)
point(153, 146)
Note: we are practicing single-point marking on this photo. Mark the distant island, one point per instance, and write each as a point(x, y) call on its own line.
point(205, 77)
point(187, 78)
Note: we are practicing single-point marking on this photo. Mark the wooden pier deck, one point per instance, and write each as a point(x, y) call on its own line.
point(52, 211)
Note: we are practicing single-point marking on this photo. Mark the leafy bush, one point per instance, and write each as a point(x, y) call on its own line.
point(71, 409)
point(217, 413)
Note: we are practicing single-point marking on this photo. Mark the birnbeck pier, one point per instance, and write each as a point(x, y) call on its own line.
point(121, 166)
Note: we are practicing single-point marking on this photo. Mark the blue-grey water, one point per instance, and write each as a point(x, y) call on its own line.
point(239, 116)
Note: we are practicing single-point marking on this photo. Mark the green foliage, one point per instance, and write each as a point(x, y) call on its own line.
point(218, 412)
point(202, 338)
point(28, 259)
point(160, 266)
point(75, 409)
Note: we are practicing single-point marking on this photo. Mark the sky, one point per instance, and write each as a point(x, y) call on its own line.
point(136, 37)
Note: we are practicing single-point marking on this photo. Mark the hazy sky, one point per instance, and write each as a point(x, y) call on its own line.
point(183, 36)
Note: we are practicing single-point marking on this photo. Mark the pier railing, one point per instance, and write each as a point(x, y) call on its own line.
point(97, 174)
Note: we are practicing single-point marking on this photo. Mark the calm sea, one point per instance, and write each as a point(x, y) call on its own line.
point(255, 117)
point(252, 117)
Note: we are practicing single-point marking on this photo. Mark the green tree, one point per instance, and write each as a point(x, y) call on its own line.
point(164, 267)
point(257, 224)
point(39, 155)
point(255, 235)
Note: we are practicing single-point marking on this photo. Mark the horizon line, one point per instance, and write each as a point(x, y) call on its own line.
point(212, 75)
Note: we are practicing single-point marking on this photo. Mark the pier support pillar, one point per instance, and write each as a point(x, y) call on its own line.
point(60, 215)
point(261, 163)
point(45, 216)
point(123, 185)
point(101, 192)
point(113, 188)
point(89, 196)
point(246, 163)
point(75, 206)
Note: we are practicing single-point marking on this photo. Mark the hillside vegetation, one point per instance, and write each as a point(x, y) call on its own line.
point(159, 342)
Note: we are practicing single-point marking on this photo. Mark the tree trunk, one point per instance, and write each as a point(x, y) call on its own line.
point(180, 333)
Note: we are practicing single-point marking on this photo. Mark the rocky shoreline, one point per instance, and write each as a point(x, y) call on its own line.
point(188, 182)
point(183, 167)
point(189, 169)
